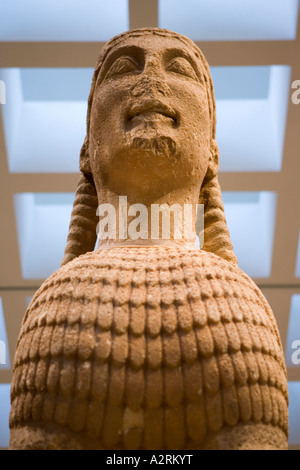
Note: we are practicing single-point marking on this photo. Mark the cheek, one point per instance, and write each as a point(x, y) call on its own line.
point(106, 107)
point(105, 126)
point(195, 129)
point(105, 123)
point(194, 111)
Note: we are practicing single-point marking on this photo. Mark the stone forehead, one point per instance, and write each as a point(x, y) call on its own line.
point(157, 32)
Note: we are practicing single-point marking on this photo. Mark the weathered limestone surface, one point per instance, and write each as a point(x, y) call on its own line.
point(149, 344)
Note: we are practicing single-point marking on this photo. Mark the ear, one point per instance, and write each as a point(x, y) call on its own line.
point(85, 158)
point(213, 163)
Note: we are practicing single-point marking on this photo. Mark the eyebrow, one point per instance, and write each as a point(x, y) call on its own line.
point(182, 52)
point(112, 56)
point(139, 53)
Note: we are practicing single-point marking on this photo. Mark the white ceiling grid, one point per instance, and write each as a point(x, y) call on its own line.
point(47, 57)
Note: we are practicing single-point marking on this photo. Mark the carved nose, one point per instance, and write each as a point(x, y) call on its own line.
point(150, 87)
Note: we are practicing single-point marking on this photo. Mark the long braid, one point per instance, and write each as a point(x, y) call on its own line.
point(82, 233)
point(216, 234)
point(82, 230)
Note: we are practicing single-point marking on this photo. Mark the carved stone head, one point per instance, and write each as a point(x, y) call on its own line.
point(151, 130)
point(151, 120)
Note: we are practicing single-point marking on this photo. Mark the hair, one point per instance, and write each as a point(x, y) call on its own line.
point(82, 232)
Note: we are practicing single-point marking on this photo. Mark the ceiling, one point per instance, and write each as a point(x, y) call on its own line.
point(47, 53)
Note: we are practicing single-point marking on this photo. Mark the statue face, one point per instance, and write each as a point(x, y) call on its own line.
point(149, 126)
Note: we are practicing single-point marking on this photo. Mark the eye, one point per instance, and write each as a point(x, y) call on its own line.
point(183, 67)
point(122, 66)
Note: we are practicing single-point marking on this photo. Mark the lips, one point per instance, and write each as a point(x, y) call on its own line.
point(151, 108)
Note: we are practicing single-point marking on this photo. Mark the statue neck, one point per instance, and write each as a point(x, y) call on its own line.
point(139, 221)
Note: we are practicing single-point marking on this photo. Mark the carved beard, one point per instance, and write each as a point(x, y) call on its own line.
point(151, 133)
point(159, 145)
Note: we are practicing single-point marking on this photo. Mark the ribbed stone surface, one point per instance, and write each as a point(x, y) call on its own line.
point(147, 347)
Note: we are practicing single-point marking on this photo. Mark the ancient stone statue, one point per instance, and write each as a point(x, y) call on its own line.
point(149, 343)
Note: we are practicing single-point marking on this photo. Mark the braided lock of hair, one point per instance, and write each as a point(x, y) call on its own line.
point(82, 232)
point(216, 234)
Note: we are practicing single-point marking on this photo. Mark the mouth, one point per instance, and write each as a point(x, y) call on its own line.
point(151, 110)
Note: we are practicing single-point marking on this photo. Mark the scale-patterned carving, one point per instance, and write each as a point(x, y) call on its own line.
point(147, 347)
